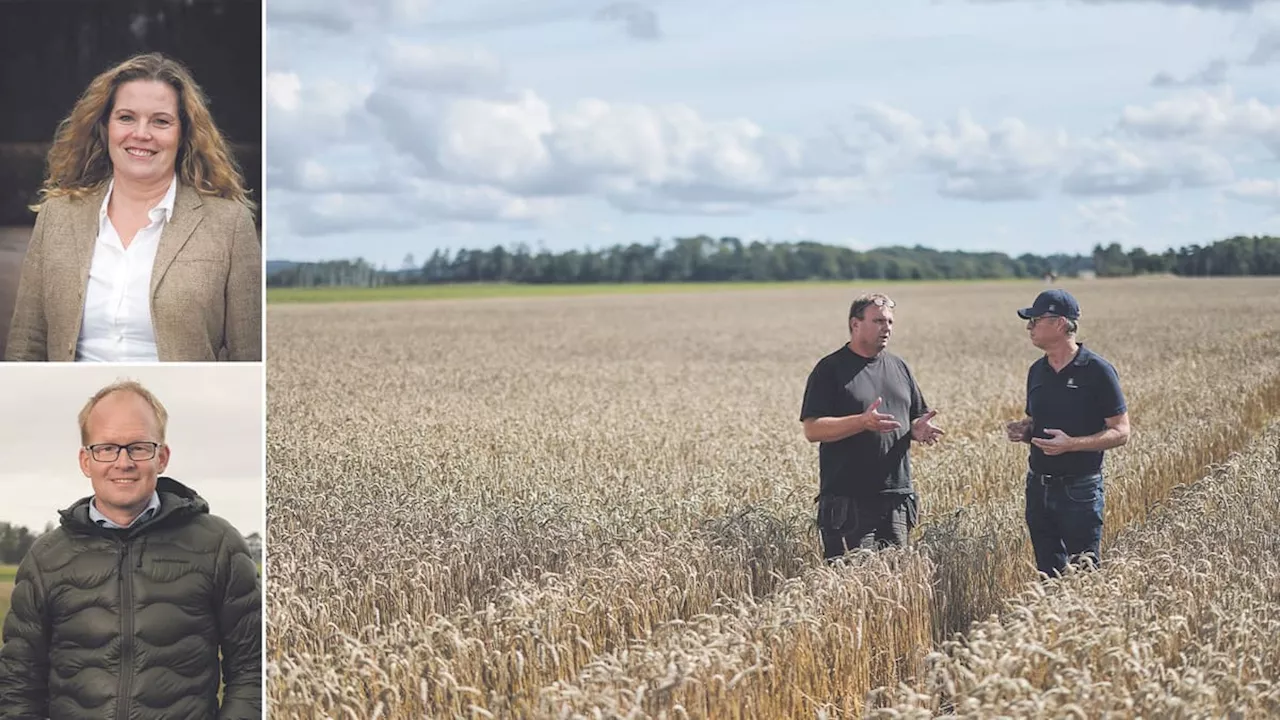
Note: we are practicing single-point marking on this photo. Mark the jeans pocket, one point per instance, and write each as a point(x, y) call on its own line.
point(1084, 490)
point(833, 512)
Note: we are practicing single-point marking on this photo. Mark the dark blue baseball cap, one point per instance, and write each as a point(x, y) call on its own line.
point(1052, 302)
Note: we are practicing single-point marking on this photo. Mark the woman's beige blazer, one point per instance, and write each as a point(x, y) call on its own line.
point(206, 285)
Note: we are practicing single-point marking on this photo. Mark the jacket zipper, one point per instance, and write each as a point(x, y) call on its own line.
point(126, 634)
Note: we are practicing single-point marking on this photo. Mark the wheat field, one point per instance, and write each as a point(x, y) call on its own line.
point(603, 506)
point(1183, 623)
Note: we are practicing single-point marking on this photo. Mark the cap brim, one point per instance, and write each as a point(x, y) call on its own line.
point(1028, 313)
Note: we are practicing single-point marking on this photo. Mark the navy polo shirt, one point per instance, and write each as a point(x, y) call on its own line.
point(1077, 401)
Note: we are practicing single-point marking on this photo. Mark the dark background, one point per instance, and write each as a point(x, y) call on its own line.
point(51, 49)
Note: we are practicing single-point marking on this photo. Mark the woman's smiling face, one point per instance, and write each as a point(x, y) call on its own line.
point(144, 131)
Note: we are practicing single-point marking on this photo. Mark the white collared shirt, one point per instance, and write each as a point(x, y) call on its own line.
point(101, 520)
point(117, 306)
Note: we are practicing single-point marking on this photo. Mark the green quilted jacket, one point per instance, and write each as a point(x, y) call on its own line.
point(128, 624)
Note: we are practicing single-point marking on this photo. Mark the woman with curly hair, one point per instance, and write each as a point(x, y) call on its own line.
point(144, 247)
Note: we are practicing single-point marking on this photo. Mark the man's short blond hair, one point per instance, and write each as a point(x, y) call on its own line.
point(132, 386)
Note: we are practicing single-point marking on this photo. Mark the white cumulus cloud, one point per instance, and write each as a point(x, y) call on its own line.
point(1256, 190)
point(1207, 116)
point(1107, 217)
point(440, 133)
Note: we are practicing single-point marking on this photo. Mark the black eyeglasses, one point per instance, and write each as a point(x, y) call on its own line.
point(1036, 320)
point(108, 452)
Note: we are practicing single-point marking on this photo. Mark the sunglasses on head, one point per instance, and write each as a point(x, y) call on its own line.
point(881, 302)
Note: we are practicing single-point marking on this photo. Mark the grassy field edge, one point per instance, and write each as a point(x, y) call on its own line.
point(7, 573)
point(471, 291)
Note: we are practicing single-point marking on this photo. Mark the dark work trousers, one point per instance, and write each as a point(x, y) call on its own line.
point(876, 521)
point(1064, 517)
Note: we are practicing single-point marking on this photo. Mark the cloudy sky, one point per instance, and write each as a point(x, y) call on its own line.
point(215, 434)
point(402, 126)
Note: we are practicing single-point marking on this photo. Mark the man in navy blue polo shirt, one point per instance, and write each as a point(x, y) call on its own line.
point(1075, 412)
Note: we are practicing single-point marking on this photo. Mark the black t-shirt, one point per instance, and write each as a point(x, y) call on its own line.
point(869, 463)
point(1077, 401)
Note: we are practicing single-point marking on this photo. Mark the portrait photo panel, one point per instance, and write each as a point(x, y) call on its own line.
point(131, 173)
point(131, 541)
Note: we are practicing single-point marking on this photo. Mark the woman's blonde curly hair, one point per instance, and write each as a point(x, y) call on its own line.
point(78, 162)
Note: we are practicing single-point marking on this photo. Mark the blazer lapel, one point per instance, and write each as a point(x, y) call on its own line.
point(84, 228)
point(186, 216)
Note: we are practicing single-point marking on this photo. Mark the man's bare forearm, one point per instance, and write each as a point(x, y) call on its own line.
point(833, 429)
point(1099, 441)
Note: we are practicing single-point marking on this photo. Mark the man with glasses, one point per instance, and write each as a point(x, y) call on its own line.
point(1075, 411)
point(124, 610)
point(864, 408)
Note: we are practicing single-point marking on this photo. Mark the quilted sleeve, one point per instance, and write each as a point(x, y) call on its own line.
point(24, 656)
point(240, 628)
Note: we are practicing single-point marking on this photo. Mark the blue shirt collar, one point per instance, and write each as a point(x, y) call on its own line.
point(1083, 356)
point(101, 520)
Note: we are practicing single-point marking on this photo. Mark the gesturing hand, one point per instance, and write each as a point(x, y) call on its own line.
point(923, 430)
point(1018, 429)
point(878, 421)
point(1058, 442)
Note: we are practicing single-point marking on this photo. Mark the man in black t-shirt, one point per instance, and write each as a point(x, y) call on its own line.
point(864, 408)
point(1075, 412)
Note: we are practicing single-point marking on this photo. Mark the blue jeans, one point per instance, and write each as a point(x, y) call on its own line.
point(1064, 515)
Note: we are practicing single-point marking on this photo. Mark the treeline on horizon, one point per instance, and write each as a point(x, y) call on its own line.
point(15, 541)
point(705, 259)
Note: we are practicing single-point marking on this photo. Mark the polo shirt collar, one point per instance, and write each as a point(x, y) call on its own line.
point(1083, 356)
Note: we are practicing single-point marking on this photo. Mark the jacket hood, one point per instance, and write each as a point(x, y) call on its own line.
point(177, 503)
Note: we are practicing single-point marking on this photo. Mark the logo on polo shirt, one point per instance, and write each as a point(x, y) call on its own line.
point(1071, 383)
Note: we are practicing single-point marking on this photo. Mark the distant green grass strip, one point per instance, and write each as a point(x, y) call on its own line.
point(489, 290)
point(465, 291)
point(7, 573)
